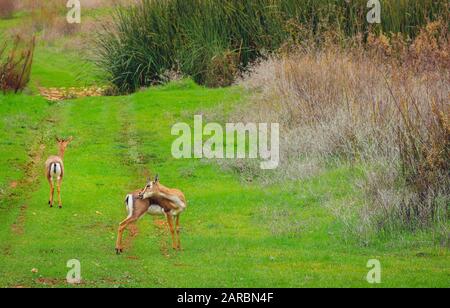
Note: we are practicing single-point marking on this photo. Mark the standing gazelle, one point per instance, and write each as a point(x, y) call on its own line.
point(54, 170)
point(156, 200)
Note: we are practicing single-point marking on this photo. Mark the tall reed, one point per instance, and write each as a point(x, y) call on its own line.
point(211, 40)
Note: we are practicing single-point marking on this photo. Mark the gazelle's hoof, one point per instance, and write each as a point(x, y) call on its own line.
point(60, 206)
point(119, 251)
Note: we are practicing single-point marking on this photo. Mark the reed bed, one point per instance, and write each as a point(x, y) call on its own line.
point(214, 40)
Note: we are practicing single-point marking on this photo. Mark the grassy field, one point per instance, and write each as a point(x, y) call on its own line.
point(235, 234)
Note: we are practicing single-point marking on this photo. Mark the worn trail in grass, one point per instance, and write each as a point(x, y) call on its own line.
point(234, 234)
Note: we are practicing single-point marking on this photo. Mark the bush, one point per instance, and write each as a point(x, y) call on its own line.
point(383, 108)
point(7, 8)
point(195, 36)
point(15, 64)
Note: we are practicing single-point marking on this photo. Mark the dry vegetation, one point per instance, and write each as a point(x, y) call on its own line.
point(49, 17)
point(15, 64)
point(46, 22)
point(7, 8)
point(384, 106)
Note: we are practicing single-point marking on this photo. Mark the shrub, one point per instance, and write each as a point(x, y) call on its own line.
point(7, 8)
point(15, 64)
point(195, 36)
point(383, 108)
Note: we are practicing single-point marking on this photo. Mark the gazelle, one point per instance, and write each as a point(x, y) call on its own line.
point(156, 200)
point(54, 170)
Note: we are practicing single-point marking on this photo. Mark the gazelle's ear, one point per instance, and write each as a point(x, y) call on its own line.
point(157, 178)
point(70, 139)
point(57, 139)
point(148, 180)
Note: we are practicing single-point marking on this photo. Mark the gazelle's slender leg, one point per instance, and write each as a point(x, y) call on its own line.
point(172, 231)
point(123, 225)
point(132, 228)
point(52, 191)
point(59, 192)
point(177, 225)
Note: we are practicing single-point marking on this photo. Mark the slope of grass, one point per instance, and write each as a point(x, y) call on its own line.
point(55, 64)
point(234, 234)
point(56, 67)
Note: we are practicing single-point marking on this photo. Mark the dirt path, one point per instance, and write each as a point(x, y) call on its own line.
point(19, 192)
point(59, 94)
point(33, 174)
point(136, 161)
point(133, 160)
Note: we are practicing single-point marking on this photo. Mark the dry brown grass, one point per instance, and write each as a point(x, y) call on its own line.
point(49, 19)
point(7, 8)
point(15, 64)
point(385, 107)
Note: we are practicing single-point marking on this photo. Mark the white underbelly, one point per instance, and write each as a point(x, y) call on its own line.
point(155, 210)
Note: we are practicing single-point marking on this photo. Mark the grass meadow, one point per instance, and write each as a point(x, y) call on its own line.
point(239, 231)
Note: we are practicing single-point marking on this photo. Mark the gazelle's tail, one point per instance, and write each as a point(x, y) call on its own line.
point(129, 204)
point(55, 170)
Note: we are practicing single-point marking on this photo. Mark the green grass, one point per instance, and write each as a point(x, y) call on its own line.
point(234, 234)
point(56, 67)
point(54, 64)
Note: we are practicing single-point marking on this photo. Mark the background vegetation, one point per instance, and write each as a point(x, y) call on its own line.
point(7, 8)
point(212, 40)
point(383, 107)
point(364, 170)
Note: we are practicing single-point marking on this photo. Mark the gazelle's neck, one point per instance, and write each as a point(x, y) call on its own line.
point(61, 153)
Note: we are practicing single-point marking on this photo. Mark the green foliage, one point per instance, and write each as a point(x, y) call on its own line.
point(210, 40)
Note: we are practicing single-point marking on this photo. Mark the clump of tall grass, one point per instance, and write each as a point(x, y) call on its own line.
point(212, 40)
point(383, 106)
point(15, 64)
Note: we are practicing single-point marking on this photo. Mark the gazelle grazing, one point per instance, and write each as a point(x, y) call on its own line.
point(156, 200)
point(54, 170)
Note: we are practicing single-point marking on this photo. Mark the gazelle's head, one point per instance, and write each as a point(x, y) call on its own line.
point(150, 189)
point(63, 143)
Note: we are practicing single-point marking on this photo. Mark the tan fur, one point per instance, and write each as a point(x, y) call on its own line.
point(142, 204)
point(62, 146)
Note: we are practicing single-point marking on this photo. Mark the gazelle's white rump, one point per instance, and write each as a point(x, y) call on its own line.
point(55, 170)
